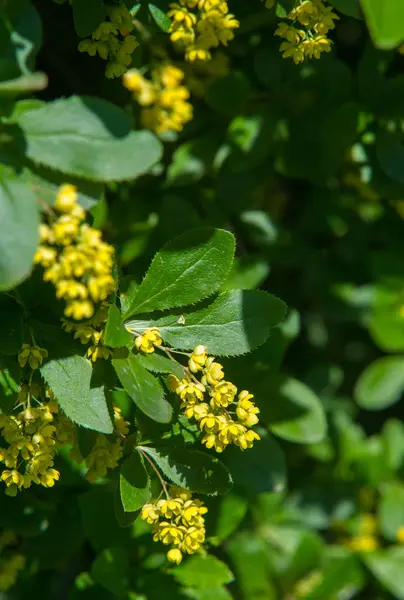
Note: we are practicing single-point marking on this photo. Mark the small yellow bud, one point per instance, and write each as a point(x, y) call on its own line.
point(175, 556)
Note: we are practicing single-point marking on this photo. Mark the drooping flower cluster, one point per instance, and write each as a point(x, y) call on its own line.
point(164, 98)
point(92, 332)
point(222, 420)
point(112, 42)
point(31, 355)
point(200, 25)
point(11, 563)
point(107, 450)
point(74, 257)
point(311, 41)
point(33, 437)
point(177, 521)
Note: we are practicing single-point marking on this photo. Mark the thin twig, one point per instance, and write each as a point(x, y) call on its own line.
point(149, 460)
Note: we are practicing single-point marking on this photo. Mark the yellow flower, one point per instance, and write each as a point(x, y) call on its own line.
point(150, 513)
point(198, 359)
point(174, 555)
point(213, 372)
point(400, 535)
point(190, 392)
point(170, 508)
point(149, 340)
point(246, 410)
point(311, 41)
point(33, 355)
point(363, 543)
point(66, 198)
point(222, 394)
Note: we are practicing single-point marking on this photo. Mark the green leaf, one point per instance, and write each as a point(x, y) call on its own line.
point(125, 519)
point(381, 384)
point(144, 389)
point(235, 323)
point(134, 483)
point(115, 334)
point(393, 441)
point(211, 593)
point(11, 326)
point(93, 139)
point(70, 380)
point(160, 364)
point(231, 513)
point(246, 273)
point(249, 556)
point(159, 17)
point(203, 572)
point(387, 567)
point(192, 469)
point(351, 8)
point(260, 469)
point(391, 509)
point(111, 570)
point(186, 270)
point(294, 413)
point(20, 230)
point(87, 15)
point(385, 21)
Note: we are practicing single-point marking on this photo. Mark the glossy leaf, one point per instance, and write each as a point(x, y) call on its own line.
point(20, 230)
point(70, 380)
point(203, 572)
point(197, 471)
point(92, 137)
point(381, 384)
point(134, 483)
point(235, 323)
point(144, 389)
point(186, 270)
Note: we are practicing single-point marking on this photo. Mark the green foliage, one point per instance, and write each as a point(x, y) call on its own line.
point(80, 397)
point(192, 469)
point(19, 239)
point(187, 270)
point(144, 389)
point(94, 138)
point(288, 178)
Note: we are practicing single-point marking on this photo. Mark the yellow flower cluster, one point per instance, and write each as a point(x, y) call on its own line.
point(112, 42)
point(220, 424)
point(148, 341)
point(92, 332)
point(317, 20)
point(32, 438)
point(33, 355)
point(9, 569)
point(365, 539)
point(200, 25)
point(75, 258)
point(164, 98)
point(107, 450)
point(177, 521)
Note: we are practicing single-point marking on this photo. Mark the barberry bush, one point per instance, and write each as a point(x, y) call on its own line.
point(202, 299)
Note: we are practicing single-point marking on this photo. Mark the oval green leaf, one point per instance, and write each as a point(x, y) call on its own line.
point(144, 389)
point(186, 270)
point(381, 384)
